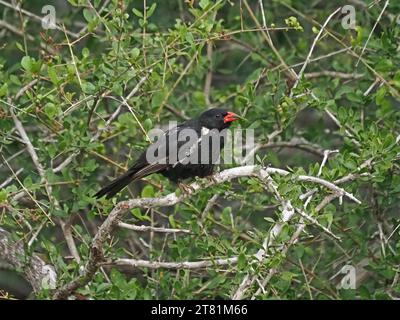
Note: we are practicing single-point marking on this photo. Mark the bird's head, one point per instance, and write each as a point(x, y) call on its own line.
point(217, 118)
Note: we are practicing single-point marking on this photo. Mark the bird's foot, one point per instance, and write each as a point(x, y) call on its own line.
point(186, 188)
point(211, 179)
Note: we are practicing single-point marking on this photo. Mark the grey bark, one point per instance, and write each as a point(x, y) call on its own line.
point(39, 274)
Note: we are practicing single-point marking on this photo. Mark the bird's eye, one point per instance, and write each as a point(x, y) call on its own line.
point(218, 116)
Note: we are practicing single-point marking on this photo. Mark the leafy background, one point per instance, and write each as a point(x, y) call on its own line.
point(183, 57)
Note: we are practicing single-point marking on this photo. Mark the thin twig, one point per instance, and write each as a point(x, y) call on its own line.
point(210, 203)
point(11, 178)
point(300, 74)
point(327, 153)
point(99, 132)
point(372, 31)
point(315, 222)
point(35, 17)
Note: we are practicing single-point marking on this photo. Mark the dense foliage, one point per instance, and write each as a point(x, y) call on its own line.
point(143, 63)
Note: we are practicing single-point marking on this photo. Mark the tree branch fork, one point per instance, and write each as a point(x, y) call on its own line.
point(97, 259)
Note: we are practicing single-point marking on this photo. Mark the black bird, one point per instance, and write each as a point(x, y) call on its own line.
point(177, 158)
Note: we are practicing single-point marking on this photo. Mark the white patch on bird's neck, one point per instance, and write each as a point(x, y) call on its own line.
point(204, 131)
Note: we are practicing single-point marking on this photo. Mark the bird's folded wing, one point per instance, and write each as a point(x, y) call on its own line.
point(149, 169)
point(177, 149)
point(192, 152)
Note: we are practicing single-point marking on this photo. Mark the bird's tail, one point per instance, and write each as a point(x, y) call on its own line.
point(116, 185)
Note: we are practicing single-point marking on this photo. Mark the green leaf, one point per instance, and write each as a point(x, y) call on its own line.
point(380, 96)
point(226, 216)
point(199, 98)
point(50, 110)
point(4, 89)
point(137, 13)
point(343, 90)
point(242, 261)
point(52, 74)
point(60, 213)
point(92, 25)
point(117, 89)
point(30, 64)
point(135, 53)
point(137, 214)
point(88, 15)
point(148, 191)
point(20, 47)
point(147, 124)
point(3, 195)
point(157, 99)
point(88, 87)
point(151, 10)
point(26, 63)
point(299, 250)
point(269, 219)
point(171, 220)
point(85, 52)
point(204, 4)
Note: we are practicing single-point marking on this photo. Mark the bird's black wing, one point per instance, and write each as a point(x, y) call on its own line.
point(143, 167)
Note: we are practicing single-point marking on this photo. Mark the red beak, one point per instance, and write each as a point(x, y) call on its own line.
point(231, 117)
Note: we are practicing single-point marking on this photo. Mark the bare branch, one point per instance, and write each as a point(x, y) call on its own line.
point(29, 146)
point(149, 228)
point(333, 74)
point(172, 265)
point(96, 256)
